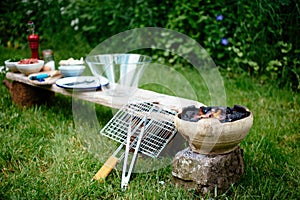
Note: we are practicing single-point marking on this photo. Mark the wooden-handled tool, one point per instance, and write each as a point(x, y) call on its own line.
point(112, 161)
point(106, 168)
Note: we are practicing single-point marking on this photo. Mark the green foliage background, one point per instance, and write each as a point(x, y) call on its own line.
point(263, 35)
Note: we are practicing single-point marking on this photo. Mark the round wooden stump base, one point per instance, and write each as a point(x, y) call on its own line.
point(27, 95)
point(207, 174)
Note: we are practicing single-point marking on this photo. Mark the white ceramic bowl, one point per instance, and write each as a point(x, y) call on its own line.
point(12, 66)
point(71, 70)
point(30, 68)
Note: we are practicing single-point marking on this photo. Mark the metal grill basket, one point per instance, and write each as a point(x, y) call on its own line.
point(158, 131)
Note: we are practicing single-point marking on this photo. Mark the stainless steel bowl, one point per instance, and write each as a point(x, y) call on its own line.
point(122, 70)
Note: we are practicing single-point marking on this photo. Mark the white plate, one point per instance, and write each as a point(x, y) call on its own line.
point(82, 83)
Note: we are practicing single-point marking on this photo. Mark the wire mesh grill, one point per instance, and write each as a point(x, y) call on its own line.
point(159, 128)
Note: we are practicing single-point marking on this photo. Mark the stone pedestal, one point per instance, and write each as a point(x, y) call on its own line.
point(207, 173)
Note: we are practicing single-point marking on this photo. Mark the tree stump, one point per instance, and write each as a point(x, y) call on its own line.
point(207, 174)
point(27, 95)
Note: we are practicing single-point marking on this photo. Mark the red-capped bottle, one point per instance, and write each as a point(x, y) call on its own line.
point(33, 41)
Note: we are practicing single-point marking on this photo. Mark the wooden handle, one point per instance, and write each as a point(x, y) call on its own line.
point(106, 168)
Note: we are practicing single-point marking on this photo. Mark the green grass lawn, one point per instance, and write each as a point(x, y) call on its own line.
point(42, 155)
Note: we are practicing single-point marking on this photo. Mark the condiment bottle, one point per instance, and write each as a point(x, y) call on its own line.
point(49, 60)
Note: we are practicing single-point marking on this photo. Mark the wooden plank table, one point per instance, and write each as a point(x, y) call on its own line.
point(100, 97)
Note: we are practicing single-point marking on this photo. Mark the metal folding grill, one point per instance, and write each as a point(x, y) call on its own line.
point(158, 131)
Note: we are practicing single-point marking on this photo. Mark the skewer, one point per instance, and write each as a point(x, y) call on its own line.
point(126, 178)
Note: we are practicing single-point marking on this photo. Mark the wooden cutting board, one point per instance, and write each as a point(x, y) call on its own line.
point(53, 77)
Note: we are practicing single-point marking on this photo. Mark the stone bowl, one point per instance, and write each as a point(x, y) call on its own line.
point(210, 136)
point(30, 68)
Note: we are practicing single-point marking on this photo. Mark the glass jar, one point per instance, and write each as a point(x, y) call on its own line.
point(48, 59)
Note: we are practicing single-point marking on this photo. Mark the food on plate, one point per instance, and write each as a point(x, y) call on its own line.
point(71, 61)
point(28, 61)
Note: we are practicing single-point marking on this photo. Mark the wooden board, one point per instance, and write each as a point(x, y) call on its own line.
point(53, 77)
point(100, 97)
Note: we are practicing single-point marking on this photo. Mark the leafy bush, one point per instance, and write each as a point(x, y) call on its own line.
point(246, 36)
point(255, 37)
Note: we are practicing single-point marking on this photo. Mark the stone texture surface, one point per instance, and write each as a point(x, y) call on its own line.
point(207, 173)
